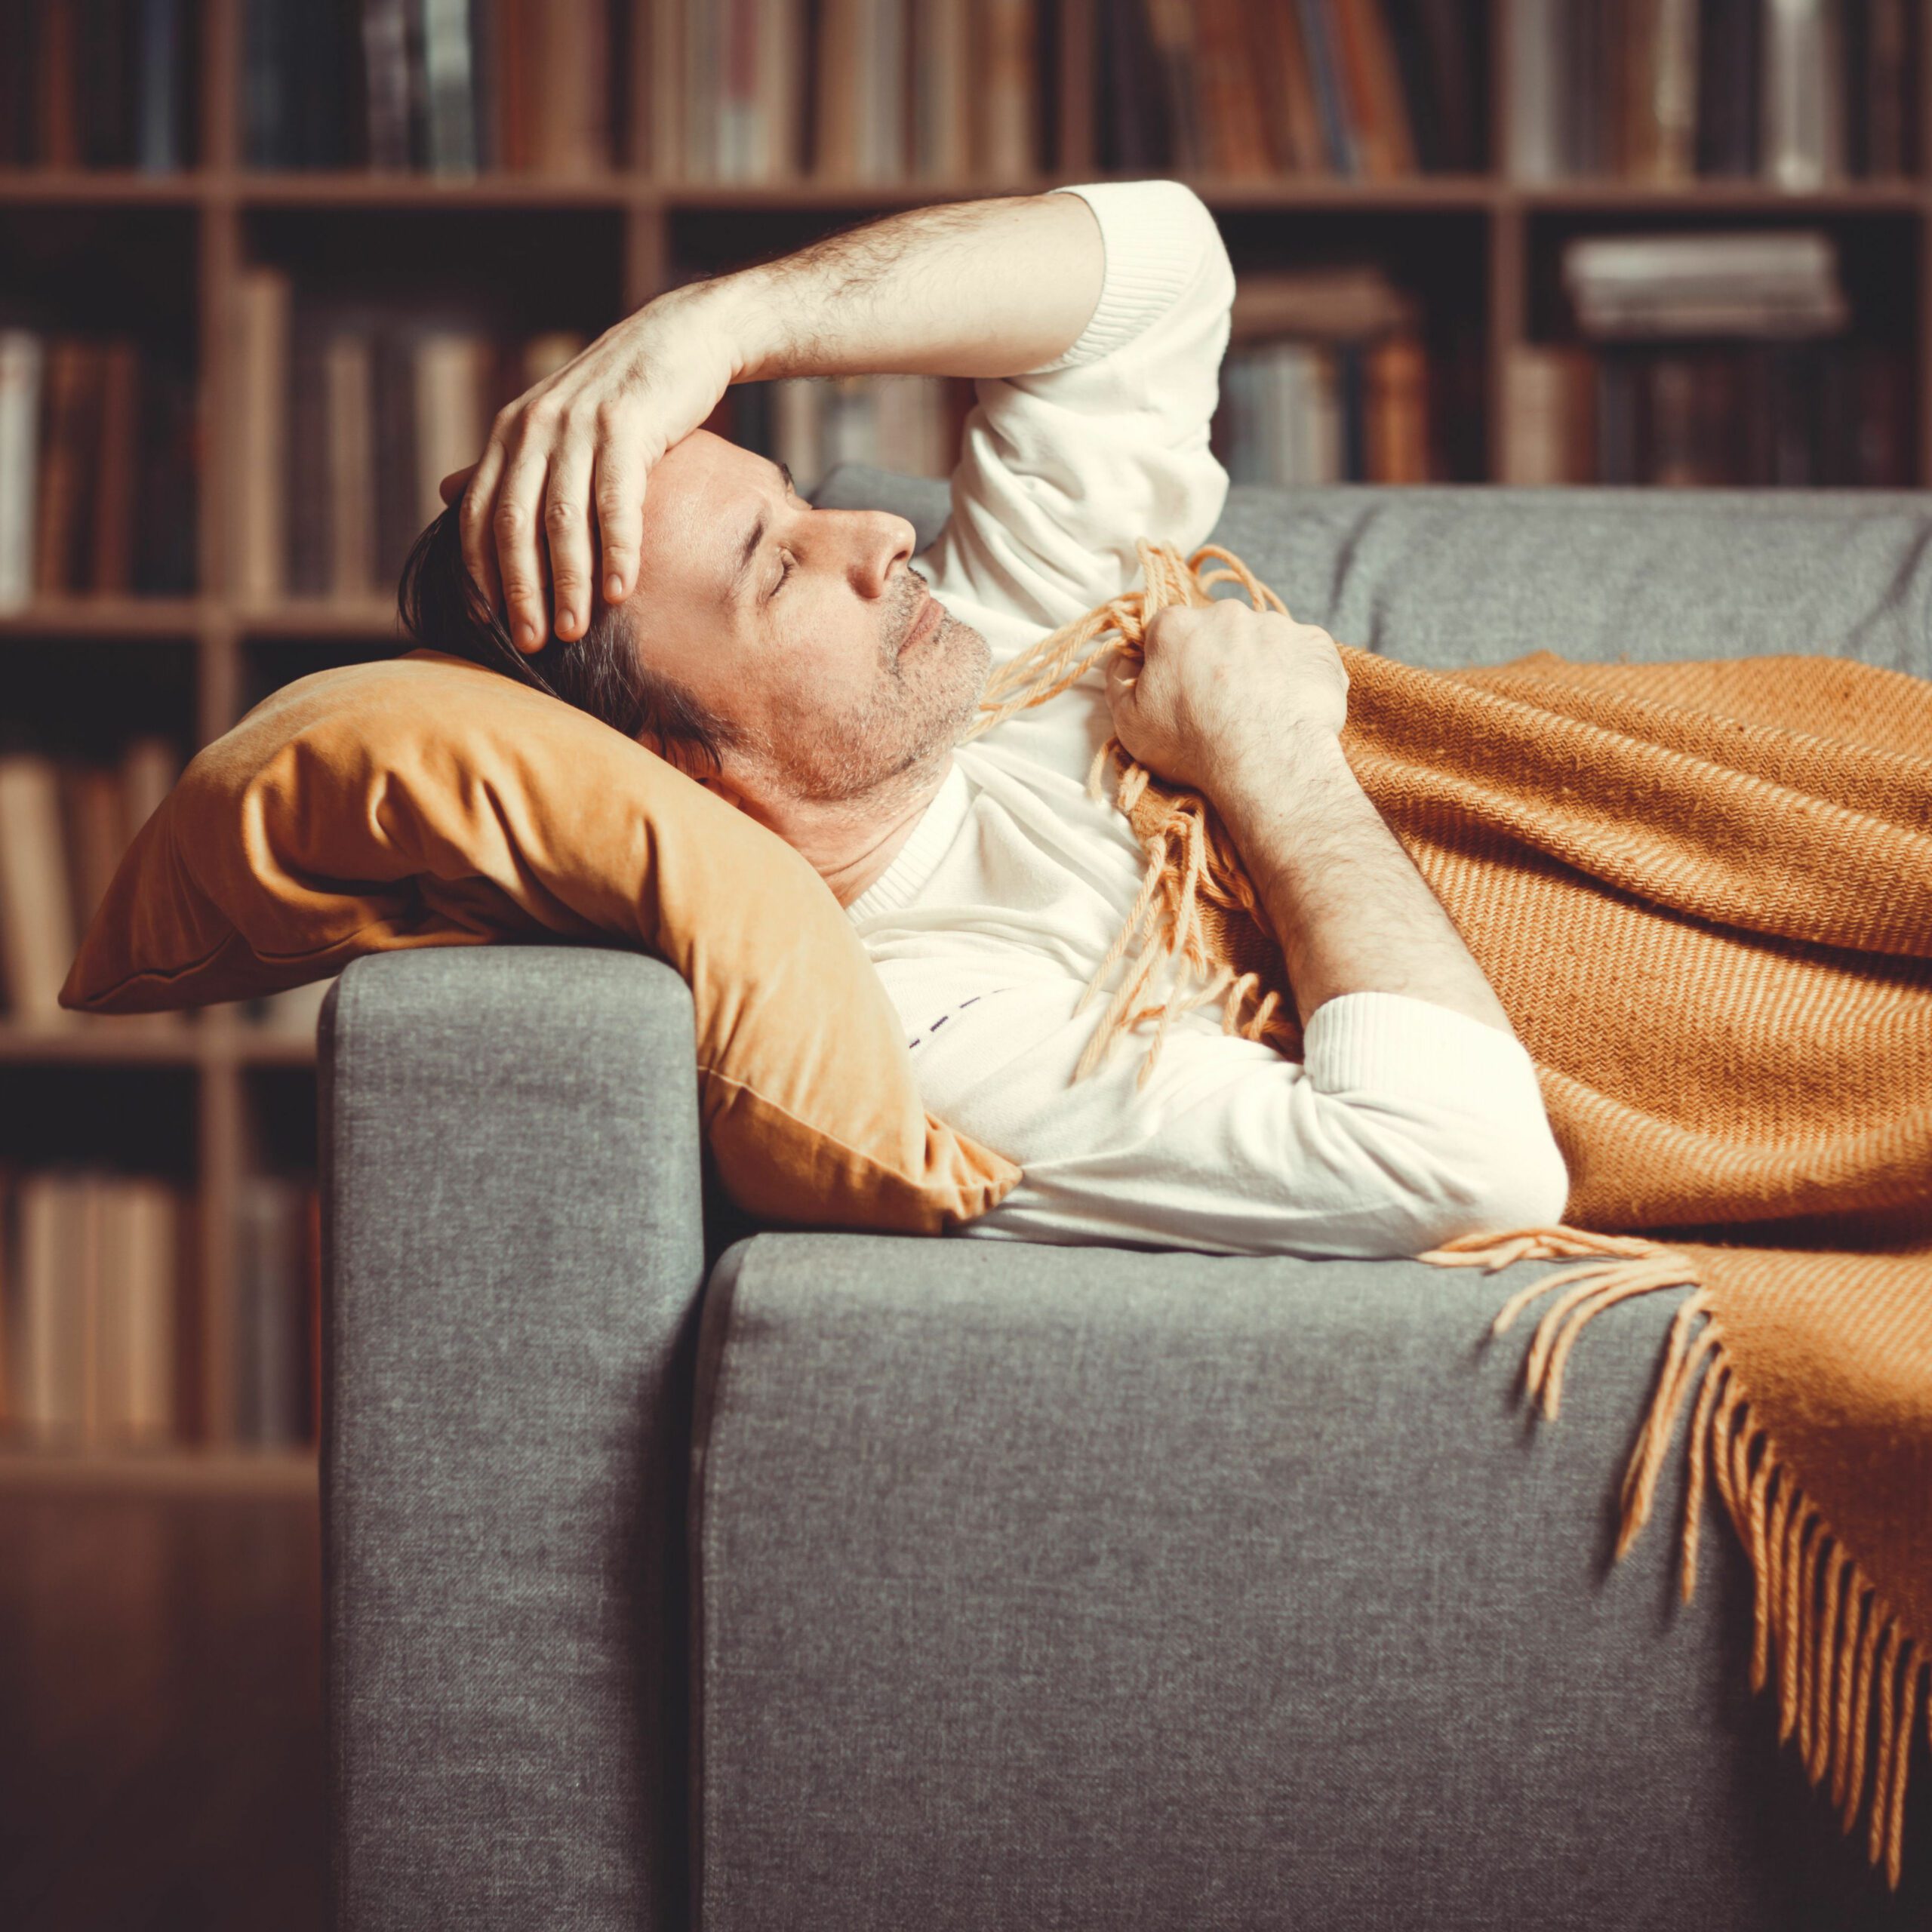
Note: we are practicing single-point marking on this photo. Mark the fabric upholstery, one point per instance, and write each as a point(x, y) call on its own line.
point(513, 1253)
point(426, 801)
point(1076, 1588)
point(1448, 576)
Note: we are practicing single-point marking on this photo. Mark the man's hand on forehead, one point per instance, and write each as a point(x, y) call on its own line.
point(559, 492)
point(554, 508)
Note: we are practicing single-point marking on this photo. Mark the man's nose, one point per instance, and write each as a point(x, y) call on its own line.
point(881, 542)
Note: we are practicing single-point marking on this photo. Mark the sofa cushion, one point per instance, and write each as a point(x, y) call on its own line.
point(424, 801)
point(1456, 575)
point(1074, 1588)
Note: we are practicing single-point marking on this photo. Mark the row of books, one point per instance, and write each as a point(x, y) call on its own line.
point(91, 1266)
point(850, 90)
point(907, 423)
point(1798, 92)
point(97, 465)
point(1347, 412)
point(1811, 414)
point(103, 1345)
point(347, 428)
point(95, 83)
point(1327, 380)
point(439, 87)
point(64, 824)
point(1376, 89)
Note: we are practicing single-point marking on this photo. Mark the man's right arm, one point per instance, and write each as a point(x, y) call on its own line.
point(1248, 708)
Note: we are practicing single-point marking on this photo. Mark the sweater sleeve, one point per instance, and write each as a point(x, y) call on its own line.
point(1406, 1125)
point(1062, 470)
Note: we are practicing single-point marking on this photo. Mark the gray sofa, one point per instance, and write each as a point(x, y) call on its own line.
point(683, 1573)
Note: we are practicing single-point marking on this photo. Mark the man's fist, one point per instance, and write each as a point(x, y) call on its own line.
point(1223, 687)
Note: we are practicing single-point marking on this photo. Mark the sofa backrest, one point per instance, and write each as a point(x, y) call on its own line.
point(1454, 574)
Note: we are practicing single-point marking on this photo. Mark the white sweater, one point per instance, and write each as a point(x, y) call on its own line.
point(1407, 1123)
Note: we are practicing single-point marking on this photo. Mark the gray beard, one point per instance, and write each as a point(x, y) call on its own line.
point(917, 716)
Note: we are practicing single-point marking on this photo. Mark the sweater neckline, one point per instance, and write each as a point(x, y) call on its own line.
point(906, 878)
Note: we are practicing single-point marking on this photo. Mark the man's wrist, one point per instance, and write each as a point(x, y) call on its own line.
point(1270, 778)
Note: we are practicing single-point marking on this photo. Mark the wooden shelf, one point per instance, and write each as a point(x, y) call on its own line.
point(227, 1472)
point(104, 1042)
point(649, 195)
point(169, 617)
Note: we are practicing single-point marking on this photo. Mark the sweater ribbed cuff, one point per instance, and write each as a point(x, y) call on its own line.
point(1389, 1043)
point(1152, 233)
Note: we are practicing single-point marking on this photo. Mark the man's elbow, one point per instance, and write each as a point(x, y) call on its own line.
point(1495, 1189)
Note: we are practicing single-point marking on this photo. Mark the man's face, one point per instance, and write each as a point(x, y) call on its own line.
point(805, 628)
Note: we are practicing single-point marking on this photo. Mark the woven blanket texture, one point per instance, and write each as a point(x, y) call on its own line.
point(1703, 892)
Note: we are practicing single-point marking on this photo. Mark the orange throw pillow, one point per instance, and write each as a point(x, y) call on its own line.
point(424, 801)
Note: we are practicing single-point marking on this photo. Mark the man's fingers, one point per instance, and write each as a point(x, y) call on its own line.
point(473, 519)
point(514, 527)
point(567, 535)
point(450, 487)
point(620, 486)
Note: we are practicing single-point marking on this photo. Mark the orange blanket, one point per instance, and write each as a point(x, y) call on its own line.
point(1703, 894)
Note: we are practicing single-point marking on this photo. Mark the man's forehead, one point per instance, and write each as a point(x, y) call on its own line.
point(704, 496)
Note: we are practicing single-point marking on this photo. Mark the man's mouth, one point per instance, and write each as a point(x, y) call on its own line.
point(925, 621)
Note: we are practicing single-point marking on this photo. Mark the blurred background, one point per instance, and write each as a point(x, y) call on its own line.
point(268, 267)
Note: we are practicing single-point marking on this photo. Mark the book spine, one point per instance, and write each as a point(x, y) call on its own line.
point(22, 362)
point(159, 148)
point(385, 83)
point(1006, 93)
point(448, 82)
point(1795, 88)
point(1338, 133)
point(37, 936)
point(348, 386)
point(1537, 68)
point(262, 329)
point(112, 568)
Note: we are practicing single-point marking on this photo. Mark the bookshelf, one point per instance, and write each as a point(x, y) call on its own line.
point(218, 1099)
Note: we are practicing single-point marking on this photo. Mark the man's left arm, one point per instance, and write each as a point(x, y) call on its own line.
point(981, 289)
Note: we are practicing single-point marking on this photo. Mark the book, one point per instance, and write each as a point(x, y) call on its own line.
point(160, 140)
point(21, 363)
point(1375, 109)
point(568, 96)
point(1802, 129)
point(449, 85)
point(1005, 92)
point(270, 1371)
point(1231, 103)
point(1548, 414)
point(1334, 303)
point(1752, 282)
point(92, 1361)
point(37, 938)
point(1536, 54)
point(133, 1380)
point(386, 84)
point(349, 457)
point(69, 444)
point(111, 570)
point(900, 423)
point(1283, 84)
point(452, 412)
point(941, 75)
point(49, 1389)
point(261, 298)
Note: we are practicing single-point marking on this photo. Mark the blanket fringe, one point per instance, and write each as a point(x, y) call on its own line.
point(1850, 1677)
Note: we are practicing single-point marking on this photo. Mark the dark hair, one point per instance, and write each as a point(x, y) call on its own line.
point(443, 609)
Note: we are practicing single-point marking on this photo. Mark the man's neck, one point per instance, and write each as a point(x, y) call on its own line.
point(851, 844)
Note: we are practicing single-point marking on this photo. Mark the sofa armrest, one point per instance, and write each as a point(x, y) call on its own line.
point(513, 1253)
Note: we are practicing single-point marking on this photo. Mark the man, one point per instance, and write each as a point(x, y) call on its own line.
point(796, 660)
